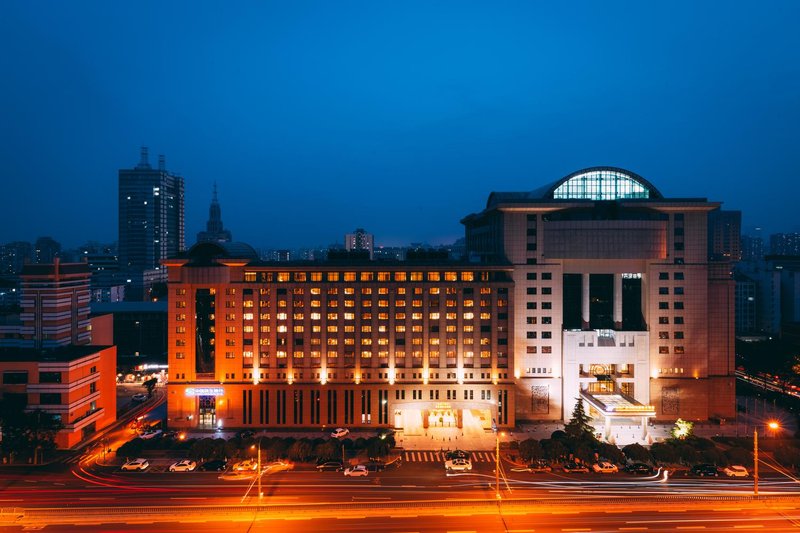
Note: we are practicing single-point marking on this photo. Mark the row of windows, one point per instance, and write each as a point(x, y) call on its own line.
point(677, 350)
point(665, 335)
point(545, 290)
point(675, 275)
point(676, 290)
point(284, 277)
point(546, 276)
point(665, 320)
point(533, 305)
point(675, 305)
point(534, 349)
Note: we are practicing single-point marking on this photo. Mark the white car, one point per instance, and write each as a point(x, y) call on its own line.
point(278, 466)
point(356, 471)
point(151, 433)
point(338, 433)
point(249, 464)
point(604, 467)
point(458, 465)
point(184, 465)
point(136, 465)
point(139, 397)
point(735, 471)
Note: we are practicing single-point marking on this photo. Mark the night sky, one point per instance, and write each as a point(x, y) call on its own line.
point(398, 117)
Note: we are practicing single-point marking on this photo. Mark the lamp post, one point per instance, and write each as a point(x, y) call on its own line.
point(260, 493)
point(496, 460)
point(755, 462)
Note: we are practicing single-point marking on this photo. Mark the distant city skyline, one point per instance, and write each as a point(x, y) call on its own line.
point(396, 118)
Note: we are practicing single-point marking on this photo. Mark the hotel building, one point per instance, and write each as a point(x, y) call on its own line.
point(595, 286)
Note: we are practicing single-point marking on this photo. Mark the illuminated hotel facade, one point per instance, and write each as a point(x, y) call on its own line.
point(594, 286)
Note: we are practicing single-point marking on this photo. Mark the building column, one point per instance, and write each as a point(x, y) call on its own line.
point(585, 314)
point(617, 301)
point(607, 428)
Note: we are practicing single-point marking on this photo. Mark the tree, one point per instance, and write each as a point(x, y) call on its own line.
point(27, 433)
point(530, 449)
point(578, 425)
point(637, 452)
point(150, 385)
point(300, 451)
point(682, 429)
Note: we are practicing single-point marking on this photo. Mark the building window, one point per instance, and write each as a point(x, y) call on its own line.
point(663, 349)
point(663, 290)
point(663, 276)
point(679, 291)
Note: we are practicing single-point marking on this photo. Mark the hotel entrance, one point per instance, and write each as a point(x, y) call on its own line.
point(432, 419)
point(207, 413)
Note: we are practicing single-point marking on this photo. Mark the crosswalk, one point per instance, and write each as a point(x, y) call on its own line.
point(438, 457)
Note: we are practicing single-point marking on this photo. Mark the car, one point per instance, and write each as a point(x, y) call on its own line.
point(540, 465)
point(136, 465)
point(575, 467)
point(735, 471)
point(217, 465)
point(640, 469)
point(356, 471)
point(705, 470)
point(151, 434)
point(139, 397)
point(458, 465)
point(605, 467)
point(237, 475)
point(184, 465)
point(338, 433)
point(456, 454)
point(386, 432)
point(330, 466)
point(245, 434)
point(278, 466)
point(248, 464)
point(375, 466)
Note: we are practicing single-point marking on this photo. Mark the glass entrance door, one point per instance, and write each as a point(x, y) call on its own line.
point(208, 412)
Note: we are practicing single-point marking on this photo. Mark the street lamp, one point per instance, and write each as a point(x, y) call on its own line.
point(496, 460)
point(773, 426)
point(260, 492)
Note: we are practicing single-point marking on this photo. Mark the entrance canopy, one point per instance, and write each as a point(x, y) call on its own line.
point(616, 404)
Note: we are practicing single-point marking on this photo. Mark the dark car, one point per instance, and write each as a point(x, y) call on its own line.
point(375, 466)
point(704, 470)
point(385, 432)
point(330, 466)
point(575, 467)
point(640, 469)
point(456, 454)
point(217, 465)
point(540, 465)
point(245, 434)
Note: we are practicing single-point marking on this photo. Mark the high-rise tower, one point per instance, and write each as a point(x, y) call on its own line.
point(151, 221)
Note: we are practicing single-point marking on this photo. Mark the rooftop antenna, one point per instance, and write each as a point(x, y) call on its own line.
point(162, 162)
point(215, 191)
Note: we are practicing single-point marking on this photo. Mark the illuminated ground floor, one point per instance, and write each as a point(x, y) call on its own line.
point(415, 409)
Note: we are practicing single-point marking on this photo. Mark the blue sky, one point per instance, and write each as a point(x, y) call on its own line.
point(315, 118)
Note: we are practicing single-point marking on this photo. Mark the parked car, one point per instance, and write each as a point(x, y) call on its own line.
point(385, 432)
point(245, 434)
point(356, 471)
point(640, 469)
point(248, 464)
point(458, 465)
point(216, 465)
point(278, 466)
point(338, 433)
point(540, 465)
point(184, 465)
point(136, 465)
point(139, 397)
point(605, 467)
point(151, 434)
point(330, 466)
point(705, 470)
point(575, 467)
point(735, 471)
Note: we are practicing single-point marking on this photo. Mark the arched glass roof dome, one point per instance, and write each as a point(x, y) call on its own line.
point(602, 183)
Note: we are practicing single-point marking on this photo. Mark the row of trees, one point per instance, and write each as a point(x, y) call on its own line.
point(272, 448)
point(27, 436)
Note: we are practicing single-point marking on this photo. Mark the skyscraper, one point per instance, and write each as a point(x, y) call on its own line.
point(151, 221)
point(359, 240)
point(215, 232)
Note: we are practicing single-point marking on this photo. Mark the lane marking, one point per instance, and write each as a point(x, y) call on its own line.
point(748, 526)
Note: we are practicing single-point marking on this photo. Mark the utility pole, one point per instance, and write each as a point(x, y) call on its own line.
point(755, 462)
point(260, 493)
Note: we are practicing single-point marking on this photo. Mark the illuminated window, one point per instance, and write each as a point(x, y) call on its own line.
point(401, 290)
point(434, 276)
point(247, 329)
point(433, 290)
point(416, 276)
point(450, 328)
point(416, 303)
point(283, 277)
point(298, 329)
point(333, 354)
point(264, 329)
point(469, 316)
point(349, 290)
point(367, 276)
point(468, 303)
point(450, 316)
point(282, 328)
point(280, 354)
point(486, 354)
point(383, 316)
point(333, 341)
point(469, 340)
point(399, 316)
point(333, 276)
point(349, 303)
point(298, 354)
point(486, 290)
point(467, 276)
point(349, 316)
point(434, 316)
point(349, 276)
point(469, 328)
point(383, 341)
point(434, 341)
point(400, 328)
point(450, 276)
point(366, 354)
point(469, 353)
point(315, 303)
point(247, 316)
point(486, 316)
point(400, 276)
point(383, 303)
point(416, 316)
